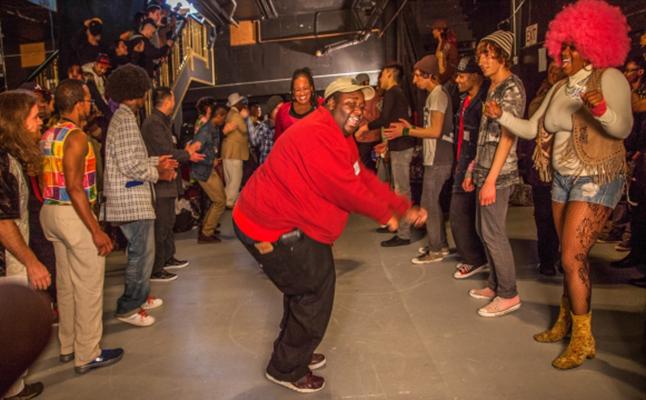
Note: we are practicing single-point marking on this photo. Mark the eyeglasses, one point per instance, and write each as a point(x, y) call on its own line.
point(628, 70)
point(91, 101)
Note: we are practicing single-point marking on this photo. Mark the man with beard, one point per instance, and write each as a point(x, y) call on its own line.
point(293, 209)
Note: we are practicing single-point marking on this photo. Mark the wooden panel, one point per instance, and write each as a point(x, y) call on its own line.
point(32, 54)
point(243, 35)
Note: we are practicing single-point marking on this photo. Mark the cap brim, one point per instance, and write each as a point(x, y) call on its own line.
point(368, 92)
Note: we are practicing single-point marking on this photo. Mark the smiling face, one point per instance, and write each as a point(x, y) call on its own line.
point(347, 110)
point(571, 60)
point(465, 81)
point(302, 90)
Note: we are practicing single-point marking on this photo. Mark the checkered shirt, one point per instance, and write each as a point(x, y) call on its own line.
point(127, 163)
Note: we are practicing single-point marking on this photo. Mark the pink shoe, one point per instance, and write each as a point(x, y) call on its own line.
point(499, 307)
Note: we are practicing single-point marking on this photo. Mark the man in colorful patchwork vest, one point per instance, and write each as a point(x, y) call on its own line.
point(69, 191)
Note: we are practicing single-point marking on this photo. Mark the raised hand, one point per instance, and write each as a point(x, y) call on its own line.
point(492, 110)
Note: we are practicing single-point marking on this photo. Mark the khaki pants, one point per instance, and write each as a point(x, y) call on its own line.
point(215, 190)
point(233, 177)
point(79, 282)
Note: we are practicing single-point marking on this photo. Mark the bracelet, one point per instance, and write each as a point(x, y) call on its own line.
point(599, 109)
point(406, 132)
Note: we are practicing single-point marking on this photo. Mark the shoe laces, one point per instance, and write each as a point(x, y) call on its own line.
point(143, 313)
point(150, 299)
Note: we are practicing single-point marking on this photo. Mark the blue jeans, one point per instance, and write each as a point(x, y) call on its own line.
point(141, 257)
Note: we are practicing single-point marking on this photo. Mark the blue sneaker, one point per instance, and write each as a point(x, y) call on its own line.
point(107, 357)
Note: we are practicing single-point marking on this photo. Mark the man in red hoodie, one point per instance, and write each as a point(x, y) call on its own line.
point(295, 206)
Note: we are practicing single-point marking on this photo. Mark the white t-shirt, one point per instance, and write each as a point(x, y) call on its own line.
point(439, 151)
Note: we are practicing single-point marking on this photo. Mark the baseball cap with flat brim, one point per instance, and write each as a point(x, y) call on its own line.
point(348, 85)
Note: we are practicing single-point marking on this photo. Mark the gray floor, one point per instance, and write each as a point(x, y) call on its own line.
point(398, 331)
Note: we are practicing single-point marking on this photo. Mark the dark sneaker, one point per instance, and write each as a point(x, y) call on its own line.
point(30, 391)
point(310, 383)
point(65, 358)
point(174, 263)
point(547, 269)
point(430, 257)
point(318, 361)
point(107, 357)
point(463, 270)
point(201, 238)
point(163, 276)
point(395, 241)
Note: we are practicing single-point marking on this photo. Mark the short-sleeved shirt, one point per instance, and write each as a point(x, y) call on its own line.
point(510, 95)
point(439, 151)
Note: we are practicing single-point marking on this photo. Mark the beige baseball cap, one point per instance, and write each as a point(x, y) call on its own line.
point(348, 85)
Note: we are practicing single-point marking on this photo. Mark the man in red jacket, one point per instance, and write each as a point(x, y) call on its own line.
point(295, 206)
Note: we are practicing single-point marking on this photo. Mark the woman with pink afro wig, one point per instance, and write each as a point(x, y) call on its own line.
point(579, 129)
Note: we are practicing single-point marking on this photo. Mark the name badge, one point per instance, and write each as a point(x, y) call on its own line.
point(357, 168)
point(467, 136)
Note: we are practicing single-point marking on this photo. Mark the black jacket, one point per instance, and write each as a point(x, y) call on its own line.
point(472, 116)
point(151, 54)
point(395, 106)
point(158, 136)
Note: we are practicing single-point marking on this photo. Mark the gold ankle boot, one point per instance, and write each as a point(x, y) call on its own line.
point(581, 344)
point(560, 328)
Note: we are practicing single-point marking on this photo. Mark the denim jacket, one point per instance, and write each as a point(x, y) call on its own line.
point(209, 136)
point(472, 116)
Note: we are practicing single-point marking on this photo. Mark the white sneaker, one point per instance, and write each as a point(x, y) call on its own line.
point(496, 309)
point(152, 302)
point(140, 318)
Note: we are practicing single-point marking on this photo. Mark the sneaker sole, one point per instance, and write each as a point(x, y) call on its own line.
point(163, 280)
point(478, 296)
point(318, 365)
point(418, 262)
point(186, 264)
point(134, 323)
point(289, 385)
point(499, 313)
point(458, 275)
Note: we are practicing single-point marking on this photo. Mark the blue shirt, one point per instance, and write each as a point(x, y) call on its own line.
point(262, 137)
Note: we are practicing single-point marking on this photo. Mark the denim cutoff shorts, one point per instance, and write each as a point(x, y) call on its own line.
point(571, 188)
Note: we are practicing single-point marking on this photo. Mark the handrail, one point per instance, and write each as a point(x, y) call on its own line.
point(47, 81)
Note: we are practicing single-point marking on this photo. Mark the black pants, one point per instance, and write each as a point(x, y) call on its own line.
point(638, 231)
point(548, 239)
point(164, 236)
point(304, 273)
point(365, 155)
point(462, 216)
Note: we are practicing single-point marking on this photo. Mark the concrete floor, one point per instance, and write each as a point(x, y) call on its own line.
point(398, 331)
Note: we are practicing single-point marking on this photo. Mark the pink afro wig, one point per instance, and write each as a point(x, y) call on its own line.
point(598, 30)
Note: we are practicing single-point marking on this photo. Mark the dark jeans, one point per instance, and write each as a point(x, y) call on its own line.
point(365, 155)
point(638, 231)
point(304, 273)
point(164, 236)
point(462, 216)
point(548, 240)
point(141, 256)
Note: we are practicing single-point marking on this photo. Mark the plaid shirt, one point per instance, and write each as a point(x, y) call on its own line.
point(262, 137)
point(129, 172)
